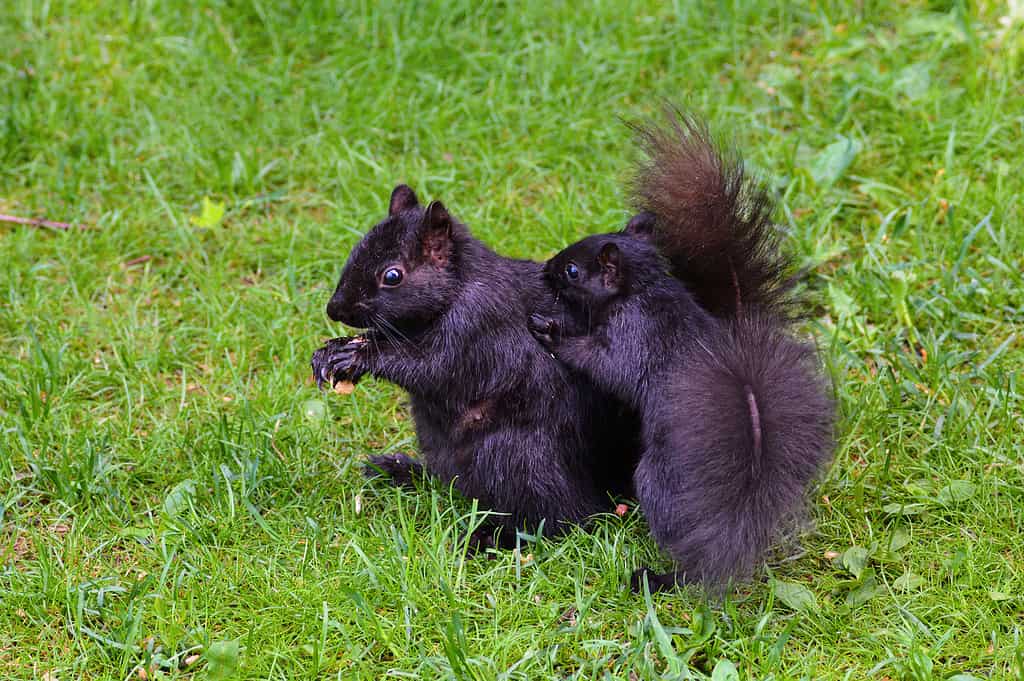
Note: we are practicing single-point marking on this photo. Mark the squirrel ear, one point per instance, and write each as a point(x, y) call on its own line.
point(641, 225)
point(437, 215)
point(611, 272)
point(402, 198)
point(436, 234)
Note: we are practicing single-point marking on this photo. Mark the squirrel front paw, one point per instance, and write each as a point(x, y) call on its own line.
point(546, 330)
point(340, 359)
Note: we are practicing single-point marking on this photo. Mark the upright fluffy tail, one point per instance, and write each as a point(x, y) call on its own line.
point(709, 219)
point(749, 428)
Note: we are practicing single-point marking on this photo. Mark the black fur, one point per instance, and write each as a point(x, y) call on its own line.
point(494, 412)
point(710, 220)
point(736, 419)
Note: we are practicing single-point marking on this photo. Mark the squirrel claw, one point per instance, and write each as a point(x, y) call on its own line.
point(337, 361)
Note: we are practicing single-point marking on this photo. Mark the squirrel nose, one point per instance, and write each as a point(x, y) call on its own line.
point(339, 310)
point(336, 309)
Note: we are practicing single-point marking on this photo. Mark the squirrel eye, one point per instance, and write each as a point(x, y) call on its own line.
point(392, 277)
point(572, 271)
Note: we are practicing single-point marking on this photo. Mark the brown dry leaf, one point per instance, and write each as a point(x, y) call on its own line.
point(22, 546)
point(344, 387)
point(60, 529)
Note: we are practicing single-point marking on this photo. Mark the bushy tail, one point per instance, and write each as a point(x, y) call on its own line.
point(751, 428)
point(709, 219)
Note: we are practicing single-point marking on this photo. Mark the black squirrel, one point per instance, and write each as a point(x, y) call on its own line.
point(685, 315)
point(494, 413)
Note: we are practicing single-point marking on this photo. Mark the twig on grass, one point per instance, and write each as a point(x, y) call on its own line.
point(36, 222)
point(137, 261)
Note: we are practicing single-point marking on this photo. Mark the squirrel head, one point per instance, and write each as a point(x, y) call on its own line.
point(593, 272)
point(402, 274)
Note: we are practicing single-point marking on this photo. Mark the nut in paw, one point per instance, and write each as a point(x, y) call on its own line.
point(339, 361)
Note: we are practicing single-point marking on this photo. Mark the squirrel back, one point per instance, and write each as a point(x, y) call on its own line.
point(708, 218)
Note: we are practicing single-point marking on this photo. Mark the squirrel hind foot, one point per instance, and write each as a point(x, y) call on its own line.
point(665, 581)
point(400, 470)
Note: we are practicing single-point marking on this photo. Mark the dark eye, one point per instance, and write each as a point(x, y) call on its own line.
point(391, 277)
point(572, 271)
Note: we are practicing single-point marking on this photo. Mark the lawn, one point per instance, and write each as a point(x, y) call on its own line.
point(178, 501)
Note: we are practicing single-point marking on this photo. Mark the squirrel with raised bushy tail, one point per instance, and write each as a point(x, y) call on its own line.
point(686, 315)
point(683, 319)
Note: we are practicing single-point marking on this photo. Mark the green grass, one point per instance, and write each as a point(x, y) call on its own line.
point(173, 485)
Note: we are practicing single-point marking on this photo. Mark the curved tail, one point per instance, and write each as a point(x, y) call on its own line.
point(751, 427)
point(709, 219)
